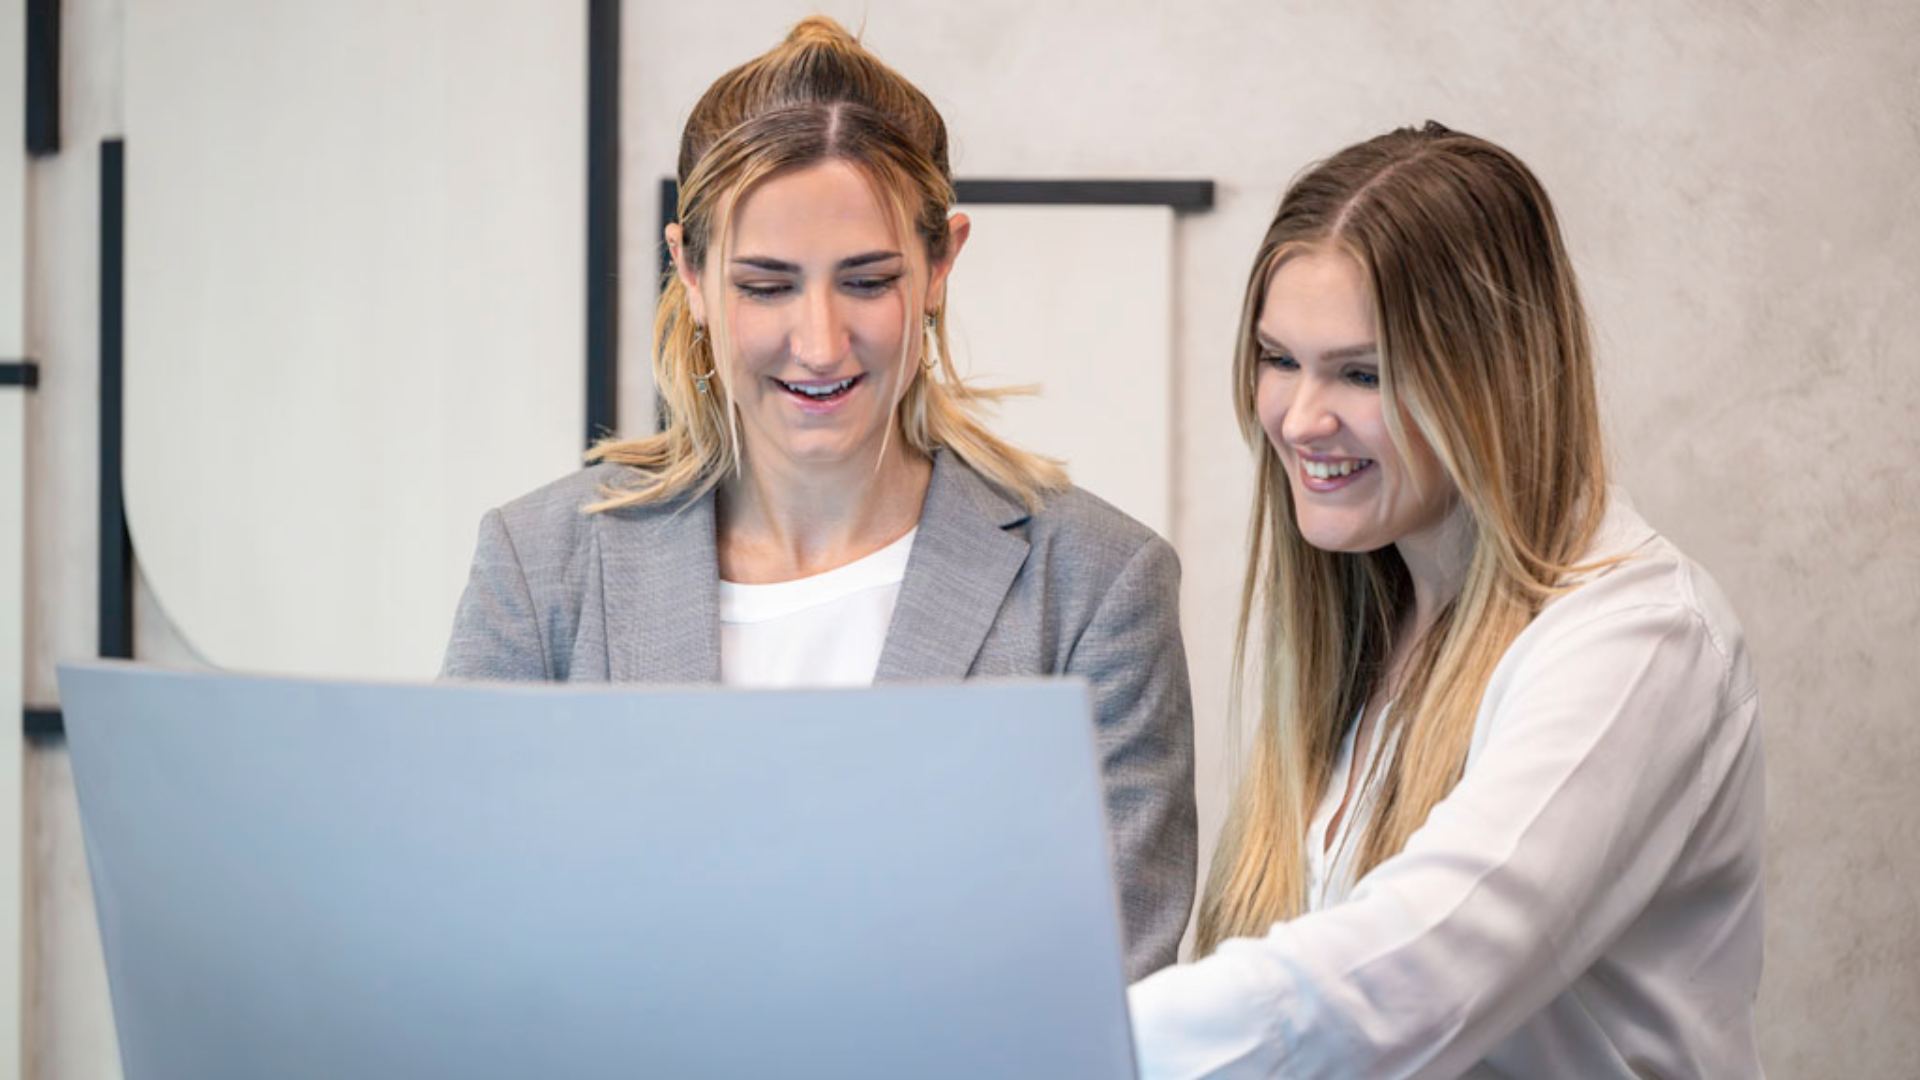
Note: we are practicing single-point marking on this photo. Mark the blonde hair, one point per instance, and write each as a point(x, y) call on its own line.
point(817, 96)
point(1485, 353)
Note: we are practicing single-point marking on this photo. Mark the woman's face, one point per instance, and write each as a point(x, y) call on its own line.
point(820, 297)
point(1318, 397)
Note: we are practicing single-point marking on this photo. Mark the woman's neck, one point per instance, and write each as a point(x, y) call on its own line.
point(779, 520)
point(1437, 559)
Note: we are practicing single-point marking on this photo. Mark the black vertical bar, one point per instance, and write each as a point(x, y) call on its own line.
point(43, 77)
point(116, 548)
point(669, 214)
point(603, 218)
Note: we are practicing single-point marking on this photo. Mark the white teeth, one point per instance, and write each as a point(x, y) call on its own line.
point(820, 391)
point(1324, 470)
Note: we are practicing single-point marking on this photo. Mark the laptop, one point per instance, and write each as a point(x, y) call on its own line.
point(300, 878)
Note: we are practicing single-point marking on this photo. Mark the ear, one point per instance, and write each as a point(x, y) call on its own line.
point(959, 227)
point(689, 278)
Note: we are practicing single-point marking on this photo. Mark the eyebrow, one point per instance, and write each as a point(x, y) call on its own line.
point(781, 266)
point(1344, 352)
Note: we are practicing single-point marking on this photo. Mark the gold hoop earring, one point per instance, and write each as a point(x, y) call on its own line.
point(701, 382)
point(926, 350)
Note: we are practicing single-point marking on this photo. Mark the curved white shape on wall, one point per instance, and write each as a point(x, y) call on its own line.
point(1078, 300)
point(354, 310)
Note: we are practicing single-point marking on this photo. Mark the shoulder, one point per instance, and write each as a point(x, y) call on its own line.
point(1078, 546)
point(553, 518)
point(1095, 549)
point(1644, 586)
point(1076, 512)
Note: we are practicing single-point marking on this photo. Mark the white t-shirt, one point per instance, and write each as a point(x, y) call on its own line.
point(1586, 902)
point(824, 630)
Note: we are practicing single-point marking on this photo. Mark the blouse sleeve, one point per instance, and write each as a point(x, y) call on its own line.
point(1595, 766)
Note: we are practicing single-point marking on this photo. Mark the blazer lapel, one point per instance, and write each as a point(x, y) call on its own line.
point(964, 560)
point(660, 582)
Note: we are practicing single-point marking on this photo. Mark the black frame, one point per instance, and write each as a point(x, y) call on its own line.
point(602, 277)
point(39, 723)
point(43, 77)
point(1184, 196)
point(116, 546)
point(602, 289)
point(603, 218)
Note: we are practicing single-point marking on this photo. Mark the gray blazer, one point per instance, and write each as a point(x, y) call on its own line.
point(1076, 589)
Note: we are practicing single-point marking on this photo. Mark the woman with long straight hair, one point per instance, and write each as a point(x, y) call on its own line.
point(824, 505)
point(1501, 812)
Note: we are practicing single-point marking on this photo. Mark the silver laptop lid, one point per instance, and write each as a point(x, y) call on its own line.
point(326, 879)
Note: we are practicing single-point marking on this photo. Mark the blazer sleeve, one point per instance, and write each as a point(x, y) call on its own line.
point(496, 632)
point(1132, 654)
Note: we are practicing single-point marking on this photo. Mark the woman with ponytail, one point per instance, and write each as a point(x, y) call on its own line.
point(823, 505)
point(1501, 813)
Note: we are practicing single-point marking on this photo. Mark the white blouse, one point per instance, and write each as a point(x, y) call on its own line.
point(823, 630)
point(1586, 901)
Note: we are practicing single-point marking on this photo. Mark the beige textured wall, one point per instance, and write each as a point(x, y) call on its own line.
point(1737, 183)
point(69, 1028)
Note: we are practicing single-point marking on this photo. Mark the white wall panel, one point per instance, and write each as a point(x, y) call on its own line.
point(1078, 300)
point(354, 310)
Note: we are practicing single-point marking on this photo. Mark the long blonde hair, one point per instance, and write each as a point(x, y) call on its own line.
point(817, 96)
point(1485, 353)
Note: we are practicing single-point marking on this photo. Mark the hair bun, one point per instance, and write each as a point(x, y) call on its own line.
point(821, 30)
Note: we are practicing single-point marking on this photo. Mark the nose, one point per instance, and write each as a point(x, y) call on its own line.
point(1310, 415)
point(820, 337)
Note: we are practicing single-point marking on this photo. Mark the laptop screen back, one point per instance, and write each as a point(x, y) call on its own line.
point(314, 879)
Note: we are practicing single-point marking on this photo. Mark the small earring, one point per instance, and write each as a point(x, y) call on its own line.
point(701, 382)
point(931, 322)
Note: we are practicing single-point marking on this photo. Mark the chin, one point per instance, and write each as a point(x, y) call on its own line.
point(1336, 536)
point(815, 453)
point(824, 448)
point(1338, 544)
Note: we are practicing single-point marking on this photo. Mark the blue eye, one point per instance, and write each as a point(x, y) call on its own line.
point(1364, 378)
point(1280, 360)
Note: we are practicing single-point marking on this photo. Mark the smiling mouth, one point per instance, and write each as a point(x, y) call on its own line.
point(821, 392)
point(1334, 470)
